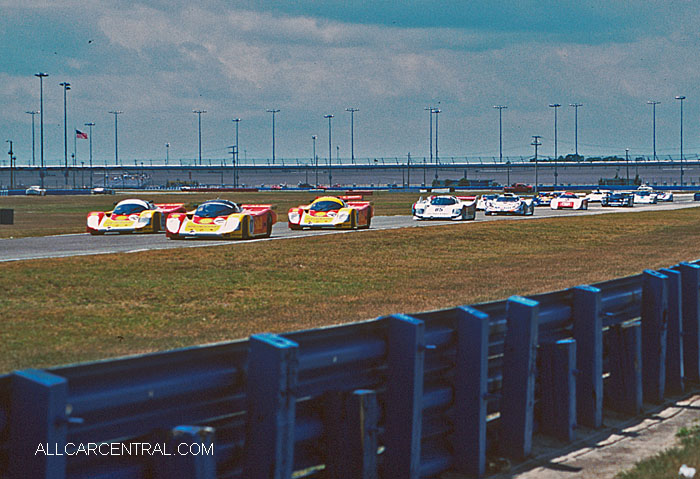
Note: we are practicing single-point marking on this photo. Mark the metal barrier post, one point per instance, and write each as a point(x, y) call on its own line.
point(588, 333)
point(38, 425)
point(674, 334)
point(404, 396)
point(273, 367)
point(558, 386)
point(623, 391)
point(690, 276)
point(351, 426)
point(654, 325)
point(471, 388)
point(192, 454)
point(519, 369)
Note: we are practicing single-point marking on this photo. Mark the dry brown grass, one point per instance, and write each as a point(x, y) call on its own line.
point(74, 309)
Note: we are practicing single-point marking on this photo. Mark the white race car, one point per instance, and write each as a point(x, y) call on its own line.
point(445, 207)
point(644, 197)
point(483, 199)
point(664, 196)
point(596, 196)
point(569, 201)
point(510, 204)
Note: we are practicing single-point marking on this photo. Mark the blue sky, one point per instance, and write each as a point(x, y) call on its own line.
point(157, 61)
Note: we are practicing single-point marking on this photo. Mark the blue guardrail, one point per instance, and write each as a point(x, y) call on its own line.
point(404, 396)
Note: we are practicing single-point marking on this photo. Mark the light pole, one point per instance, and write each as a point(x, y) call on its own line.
point(430, 110)
point(576, 105)
point(500, 109)
point(12, 180)
point(66, 87)
point(653, 104)
point(236, 121)
point(274, 112)
point(116, 113)
point(681, 98)
point(41, 77)
point(556, 156)
point(167, 153)
point(315, 158)
point(627, 164)
point(437, 111)
point(330, 149)
point(352, 132)
point(33, 112)
point(90, 125)
point(536, 143)
point(199, 122)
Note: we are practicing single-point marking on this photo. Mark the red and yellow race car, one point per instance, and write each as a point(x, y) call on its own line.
point(343, 212)
point(132, 216)
point(222, 219)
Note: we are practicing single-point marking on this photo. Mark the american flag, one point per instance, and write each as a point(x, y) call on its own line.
point(81, 135)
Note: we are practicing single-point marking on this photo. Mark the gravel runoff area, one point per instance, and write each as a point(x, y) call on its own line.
point(602, 453)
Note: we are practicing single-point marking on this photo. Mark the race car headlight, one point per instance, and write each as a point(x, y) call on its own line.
point(342, 217)
point(93, 221)
point(173, 223)
point(234, 223)
point(457, 211)
point(144, 220)
point(293, 216)
point(420, 211)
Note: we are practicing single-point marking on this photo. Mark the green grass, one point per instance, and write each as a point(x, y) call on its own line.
point(84, 308)
point(668, 462)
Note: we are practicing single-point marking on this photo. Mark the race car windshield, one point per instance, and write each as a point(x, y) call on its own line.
point(568, 196)
point(506, 199)
point(128, 209)
point(443, 201)
point(326, 206)
point(212, 210)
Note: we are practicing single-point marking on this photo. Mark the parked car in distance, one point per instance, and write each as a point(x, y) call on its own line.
point(518, 188)
point(101, 190)
point(35, 191)
point(618, 199)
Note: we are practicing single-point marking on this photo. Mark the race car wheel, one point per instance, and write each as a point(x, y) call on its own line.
point(294, 227)
point(155, 220)
point(269, 226)
point(487, 213)
point(369, 222)
point(353, 220)
point(464, 214)
point(245, 228)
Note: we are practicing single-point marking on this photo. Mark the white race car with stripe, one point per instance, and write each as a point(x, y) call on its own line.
point(569, 201)
point(445, 207)
point(510, 204)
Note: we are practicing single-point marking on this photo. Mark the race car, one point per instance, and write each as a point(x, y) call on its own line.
point(618, 199)
point(445, 207)
point(569, 201)
point(222, 219)
point(545, 199)
point(483, 199)
point(645, 197)
point(342, 212)
point(132, 216)
point(596, 196)
point(664, 196)
point(510, 204)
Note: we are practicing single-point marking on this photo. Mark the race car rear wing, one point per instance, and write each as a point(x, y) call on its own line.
point(170, 207)
point(467, 198)
point(257, 208)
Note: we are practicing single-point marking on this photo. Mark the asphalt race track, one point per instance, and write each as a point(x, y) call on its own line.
point(84, 244)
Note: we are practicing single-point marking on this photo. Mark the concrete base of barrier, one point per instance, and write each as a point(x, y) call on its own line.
point(7, 217)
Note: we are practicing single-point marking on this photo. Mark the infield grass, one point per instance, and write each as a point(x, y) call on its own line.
point(51, 215)
point(84, 308)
